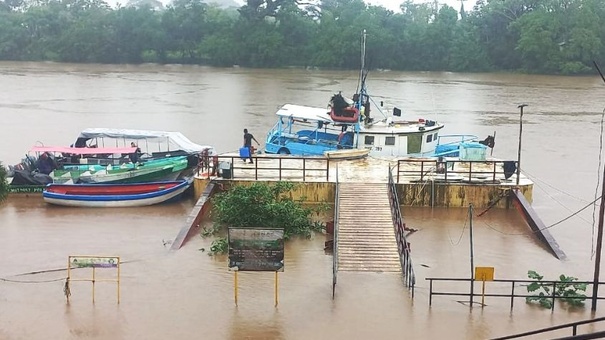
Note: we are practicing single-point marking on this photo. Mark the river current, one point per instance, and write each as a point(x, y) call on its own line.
point(189, 295)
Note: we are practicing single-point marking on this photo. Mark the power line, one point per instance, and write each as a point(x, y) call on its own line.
point(548, 227)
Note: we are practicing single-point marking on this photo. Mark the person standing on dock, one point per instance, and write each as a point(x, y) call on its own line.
point(248, 138)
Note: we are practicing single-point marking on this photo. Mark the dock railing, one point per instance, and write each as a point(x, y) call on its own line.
point(498, 289)
point(409, 278)
point(421, 170)
point(290, 168)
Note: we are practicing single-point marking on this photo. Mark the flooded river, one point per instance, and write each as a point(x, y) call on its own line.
point(189, 295)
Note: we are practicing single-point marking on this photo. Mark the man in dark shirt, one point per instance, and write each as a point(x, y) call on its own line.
point(135, 156)
point(248, 138)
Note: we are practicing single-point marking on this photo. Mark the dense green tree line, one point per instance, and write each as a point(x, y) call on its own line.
point(541, 36)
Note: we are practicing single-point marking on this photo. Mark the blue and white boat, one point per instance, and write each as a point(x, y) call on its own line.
point(347, 124)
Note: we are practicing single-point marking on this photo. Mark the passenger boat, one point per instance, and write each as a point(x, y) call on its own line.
point(347, 124)
point(153, 144)
point(114, 195)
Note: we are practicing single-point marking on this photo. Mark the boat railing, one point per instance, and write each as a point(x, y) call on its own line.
point(403, 246)
point(271, 168)
point(455, 139)
point(451, 170)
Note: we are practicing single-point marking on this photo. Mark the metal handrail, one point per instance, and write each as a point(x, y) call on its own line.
point(514, 284)
point(402, 244)
point(572, 325)
point(426, 169)
point(335, 237)
point(259, 170)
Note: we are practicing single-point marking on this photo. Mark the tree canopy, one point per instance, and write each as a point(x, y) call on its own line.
point(537, 36)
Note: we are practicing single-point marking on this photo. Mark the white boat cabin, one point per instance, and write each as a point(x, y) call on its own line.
point(398, 138)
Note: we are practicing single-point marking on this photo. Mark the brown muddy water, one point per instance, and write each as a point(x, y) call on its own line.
point(189, 295)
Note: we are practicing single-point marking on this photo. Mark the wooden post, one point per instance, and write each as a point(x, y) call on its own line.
point(276, 289)
point(93, 284)
point(235, 287)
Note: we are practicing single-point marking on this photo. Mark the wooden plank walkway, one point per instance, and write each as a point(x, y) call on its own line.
point(366, 236)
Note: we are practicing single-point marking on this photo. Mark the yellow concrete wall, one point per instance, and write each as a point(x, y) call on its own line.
point(455, 195)
point(311, 192)
point(199, 184)
point(415, 194)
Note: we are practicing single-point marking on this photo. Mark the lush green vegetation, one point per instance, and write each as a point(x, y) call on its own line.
point(3, 183)
point(566, 290)
point(261, 205)
point(542, 36)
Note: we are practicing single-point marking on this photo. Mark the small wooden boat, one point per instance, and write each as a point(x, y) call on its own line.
point(345, 154)
point(113, 195)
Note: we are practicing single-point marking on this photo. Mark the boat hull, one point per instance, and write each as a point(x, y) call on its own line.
point(347, 154)
point(115, 195)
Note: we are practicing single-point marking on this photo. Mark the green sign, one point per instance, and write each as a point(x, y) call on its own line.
point(256, 249)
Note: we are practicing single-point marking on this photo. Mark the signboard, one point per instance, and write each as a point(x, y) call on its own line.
point(484, 273)
point(93, 262)
point(256, 249)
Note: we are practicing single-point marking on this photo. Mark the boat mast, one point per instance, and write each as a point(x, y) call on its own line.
point(363, 66)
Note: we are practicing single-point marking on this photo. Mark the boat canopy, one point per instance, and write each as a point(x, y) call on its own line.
point(305, 113)
point(176, 138)
point(83, 151)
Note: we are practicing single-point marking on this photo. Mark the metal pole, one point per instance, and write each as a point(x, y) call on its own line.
point(597, 264)
point(470, 227)
point(519, 151)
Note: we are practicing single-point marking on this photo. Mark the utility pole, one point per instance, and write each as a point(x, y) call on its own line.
point(519, 151)
point(597, 263)
point(470, 228)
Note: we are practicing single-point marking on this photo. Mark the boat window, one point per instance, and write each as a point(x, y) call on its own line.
point(429, 138)
point(435, 136)
point(369, 140)
point(389, 141)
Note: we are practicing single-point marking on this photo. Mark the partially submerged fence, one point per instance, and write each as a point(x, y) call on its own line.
point(510, 285)
point(402, 244)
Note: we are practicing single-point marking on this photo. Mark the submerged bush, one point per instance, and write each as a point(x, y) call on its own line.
point(262, 205)
point(567, 290)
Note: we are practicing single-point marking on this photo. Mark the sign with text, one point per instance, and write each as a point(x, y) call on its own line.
point(256, 249)
point(93, 262)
